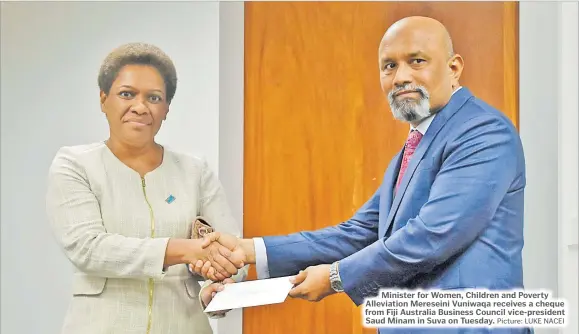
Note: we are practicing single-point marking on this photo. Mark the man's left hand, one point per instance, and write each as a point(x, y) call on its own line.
point(312, 284)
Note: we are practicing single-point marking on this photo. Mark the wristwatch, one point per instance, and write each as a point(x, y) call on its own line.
point(335, 280)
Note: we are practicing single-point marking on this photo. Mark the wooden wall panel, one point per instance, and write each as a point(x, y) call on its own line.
point(318, 130)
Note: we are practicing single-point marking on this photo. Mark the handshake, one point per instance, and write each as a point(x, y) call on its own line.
point(224, 255)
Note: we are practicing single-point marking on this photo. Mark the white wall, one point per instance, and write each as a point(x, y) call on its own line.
point(50, 57)
point(568, 159)
point(231, 117)
point(538, 109)
point(548, 121)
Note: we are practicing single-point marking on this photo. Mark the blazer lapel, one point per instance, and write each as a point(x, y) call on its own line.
point(455, 103)
point(390, 180)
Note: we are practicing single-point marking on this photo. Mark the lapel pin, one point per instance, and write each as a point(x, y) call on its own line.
point(170, 199)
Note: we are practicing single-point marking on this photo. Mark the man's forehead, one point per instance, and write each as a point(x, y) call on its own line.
point(409, 43)
point(404, 50)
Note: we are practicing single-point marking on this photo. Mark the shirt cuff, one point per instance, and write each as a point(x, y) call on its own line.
point(260, 259)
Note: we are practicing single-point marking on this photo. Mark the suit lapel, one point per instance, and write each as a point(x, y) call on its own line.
point(390, 180)
point(455, 103)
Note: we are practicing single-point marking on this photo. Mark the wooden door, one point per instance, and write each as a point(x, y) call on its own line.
point(318, 130)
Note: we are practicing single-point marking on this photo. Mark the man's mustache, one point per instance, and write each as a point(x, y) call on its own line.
point(408, 89)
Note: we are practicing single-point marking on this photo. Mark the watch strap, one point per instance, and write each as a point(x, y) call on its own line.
point(335, 280)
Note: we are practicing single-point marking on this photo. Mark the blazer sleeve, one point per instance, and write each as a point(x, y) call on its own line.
point(479, 166)
point(74, 214)
point(287, 255)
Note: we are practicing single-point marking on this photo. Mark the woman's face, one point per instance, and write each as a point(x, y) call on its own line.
point(136, 104)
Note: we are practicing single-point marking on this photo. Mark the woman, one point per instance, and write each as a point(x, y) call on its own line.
point(122, 210)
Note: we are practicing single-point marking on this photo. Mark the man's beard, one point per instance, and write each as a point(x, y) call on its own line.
point(409, 109)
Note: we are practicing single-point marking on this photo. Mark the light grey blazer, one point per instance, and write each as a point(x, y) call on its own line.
point(114, 228)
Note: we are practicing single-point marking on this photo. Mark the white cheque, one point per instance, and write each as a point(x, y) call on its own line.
point(251, 293)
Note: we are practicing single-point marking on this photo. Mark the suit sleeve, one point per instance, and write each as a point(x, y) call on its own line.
point(287, 255)
point(479, 166)
point(74, 213)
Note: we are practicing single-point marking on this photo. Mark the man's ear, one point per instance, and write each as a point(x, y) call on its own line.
point(455, 65)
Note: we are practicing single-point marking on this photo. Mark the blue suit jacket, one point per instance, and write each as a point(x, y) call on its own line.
point(455, 222)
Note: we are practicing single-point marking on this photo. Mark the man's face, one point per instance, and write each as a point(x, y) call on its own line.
point(415, 72)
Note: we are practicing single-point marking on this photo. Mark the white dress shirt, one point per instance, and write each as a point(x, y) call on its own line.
point(261, 266)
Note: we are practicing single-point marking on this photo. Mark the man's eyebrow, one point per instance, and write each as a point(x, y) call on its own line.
point(413, 54)
point(419, 53)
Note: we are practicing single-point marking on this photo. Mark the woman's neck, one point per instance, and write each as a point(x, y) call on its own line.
point(142, 159)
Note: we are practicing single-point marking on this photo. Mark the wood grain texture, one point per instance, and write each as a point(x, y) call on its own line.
point(318, 130)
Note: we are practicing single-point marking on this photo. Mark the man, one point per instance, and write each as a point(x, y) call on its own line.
point(449, 211)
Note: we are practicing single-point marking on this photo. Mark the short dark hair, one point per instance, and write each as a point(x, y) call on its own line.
point(138, 54)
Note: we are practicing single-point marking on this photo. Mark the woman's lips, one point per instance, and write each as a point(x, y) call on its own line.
point(138, 123)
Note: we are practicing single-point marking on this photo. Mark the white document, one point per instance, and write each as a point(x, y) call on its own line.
point(251, 293)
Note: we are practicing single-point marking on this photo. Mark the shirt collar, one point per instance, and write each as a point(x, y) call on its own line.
point(423, 126)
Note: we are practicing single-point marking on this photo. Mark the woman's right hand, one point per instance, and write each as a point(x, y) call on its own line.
point(189, 251)
point(222, 264)
point(242, 251)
